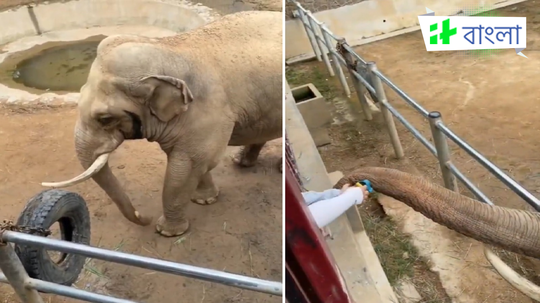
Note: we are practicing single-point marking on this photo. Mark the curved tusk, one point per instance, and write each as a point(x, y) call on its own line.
point(92, 170)
point(528, 288)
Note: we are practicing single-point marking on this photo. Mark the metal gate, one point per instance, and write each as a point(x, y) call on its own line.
point(27, 288)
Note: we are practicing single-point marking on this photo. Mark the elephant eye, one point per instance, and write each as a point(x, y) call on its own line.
point(105, 120)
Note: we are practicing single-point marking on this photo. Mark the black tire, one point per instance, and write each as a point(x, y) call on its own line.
point(42, 211)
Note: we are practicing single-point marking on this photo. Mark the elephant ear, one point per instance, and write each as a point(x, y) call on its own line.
point(169, 96)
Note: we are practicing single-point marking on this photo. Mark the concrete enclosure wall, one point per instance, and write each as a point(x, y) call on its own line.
point(318, 5)
point(369, 19)
point(25, 21)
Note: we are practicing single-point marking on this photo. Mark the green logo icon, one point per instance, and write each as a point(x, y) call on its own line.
point(445, 34)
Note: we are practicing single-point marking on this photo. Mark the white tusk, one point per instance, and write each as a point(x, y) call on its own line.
point(93, 169)
point(528, 288)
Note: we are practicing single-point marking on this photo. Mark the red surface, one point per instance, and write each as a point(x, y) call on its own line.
point(310, 266)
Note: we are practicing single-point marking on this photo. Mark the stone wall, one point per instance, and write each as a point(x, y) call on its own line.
point(19, 23)
point(318, 5)
point(11, 4)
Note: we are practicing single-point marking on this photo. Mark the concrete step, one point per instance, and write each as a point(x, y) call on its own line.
point(335, 176)
point(371, 260)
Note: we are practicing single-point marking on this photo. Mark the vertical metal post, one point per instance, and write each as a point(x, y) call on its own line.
point(443, 153)
point(360, 92)
point(311, 36)
point(316, 32)
point(387, 115)
point(335, 60)
point(359, 87)
point(15, 273)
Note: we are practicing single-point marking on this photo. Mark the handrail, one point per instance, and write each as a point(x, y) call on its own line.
point(200, 273)
point(402, 94)
point(503, 177)
point(13, 271)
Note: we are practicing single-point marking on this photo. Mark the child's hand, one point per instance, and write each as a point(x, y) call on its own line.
point(364, 189)
point(344, 188)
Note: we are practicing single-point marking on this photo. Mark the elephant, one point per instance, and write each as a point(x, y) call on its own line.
point(194, 94)
point(511, 229)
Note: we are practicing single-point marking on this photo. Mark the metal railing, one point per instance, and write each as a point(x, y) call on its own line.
point(27, 288)
point(291, 161)
point(366, 76)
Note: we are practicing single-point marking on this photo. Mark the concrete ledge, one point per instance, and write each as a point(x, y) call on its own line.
point(43, 18)
point(315, 112)
point(26, 27)
point(335, 176)
point(374, 21)
point(350, 245)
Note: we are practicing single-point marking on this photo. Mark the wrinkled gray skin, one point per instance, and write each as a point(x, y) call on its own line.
point(511, 229)
point(195, 94)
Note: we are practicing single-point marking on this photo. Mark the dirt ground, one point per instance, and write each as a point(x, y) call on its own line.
point(490, 101)
point(240, 234)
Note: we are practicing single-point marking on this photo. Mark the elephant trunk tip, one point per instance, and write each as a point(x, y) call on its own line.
point(140, 219)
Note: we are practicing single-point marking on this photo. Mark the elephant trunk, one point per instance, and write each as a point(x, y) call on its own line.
point(98, 169)
point(511, 229)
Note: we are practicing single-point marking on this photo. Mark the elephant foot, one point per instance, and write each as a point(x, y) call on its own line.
point(242, 161)
point(205, 197)
point(248, 156)
point(169, 229)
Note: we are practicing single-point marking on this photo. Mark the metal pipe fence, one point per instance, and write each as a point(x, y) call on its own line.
point(13, 271)
point(365, 77)
point(372, 82)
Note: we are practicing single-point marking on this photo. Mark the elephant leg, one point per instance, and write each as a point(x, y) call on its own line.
point(280, 165)
point(247, 157)
point(181, 180)
point(207, 192)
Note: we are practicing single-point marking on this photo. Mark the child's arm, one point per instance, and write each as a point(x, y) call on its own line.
point(328, 210)
point(312, 196)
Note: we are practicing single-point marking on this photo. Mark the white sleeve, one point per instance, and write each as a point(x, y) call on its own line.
point(313, 196)
point(327, 211)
